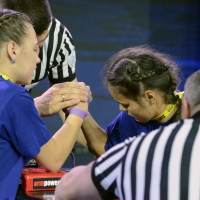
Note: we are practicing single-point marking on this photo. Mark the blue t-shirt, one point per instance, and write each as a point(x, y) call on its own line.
point(22, 133)
point(125, 126)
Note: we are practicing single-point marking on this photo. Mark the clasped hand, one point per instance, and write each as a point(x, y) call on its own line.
point(62, 96)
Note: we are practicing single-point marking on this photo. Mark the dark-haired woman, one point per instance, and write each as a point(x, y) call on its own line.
point(144, 82)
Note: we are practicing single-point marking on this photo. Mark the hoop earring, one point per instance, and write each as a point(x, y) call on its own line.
point(14, 61)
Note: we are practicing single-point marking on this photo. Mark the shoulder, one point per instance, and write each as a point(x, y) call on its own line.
point(59, 40)
point(57, 27)
point(123, 122)
point(126, 121)
point(14, 95)
point(9, 89)
point(123, 116)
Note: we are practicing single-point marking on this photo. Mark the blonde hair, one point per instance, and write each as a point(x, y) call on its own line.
point(12, 26)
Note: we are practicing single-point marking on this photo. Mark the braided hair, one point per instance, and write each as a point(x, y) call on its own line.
point(12, 26)
point(134, 70)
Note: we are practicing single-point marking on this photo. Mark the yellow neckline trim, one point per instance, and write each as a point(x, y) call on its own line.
point(169, 109)
point(5, 77)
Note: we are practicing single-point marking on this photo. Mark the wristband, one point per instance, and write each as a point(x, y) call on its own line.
point(78, 112)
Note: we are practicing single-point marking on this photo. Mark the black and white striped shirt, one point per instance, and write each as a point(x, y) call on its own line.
point(163, 165)
point(57, 56)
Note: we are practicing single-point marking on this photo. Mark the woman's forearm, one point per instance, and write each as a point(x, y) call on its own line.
point(96, 136)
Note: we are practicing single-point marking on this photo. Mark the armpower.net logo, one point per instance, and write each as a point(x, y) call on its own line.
point(42, 183)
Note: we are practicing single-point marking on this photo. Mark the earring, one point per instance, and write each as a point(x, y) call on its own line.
point(14, 61)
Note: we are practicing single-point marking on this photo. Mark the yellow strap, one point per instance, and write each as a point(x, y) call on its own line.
point(169, 108)
point(5, 77)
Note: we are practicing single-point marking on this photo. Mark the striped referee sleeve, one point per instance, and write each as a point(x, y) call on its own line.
point(106, 169)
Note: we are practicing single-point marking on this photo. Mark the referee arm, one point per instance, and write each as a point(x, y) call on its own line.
point(77, 184)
